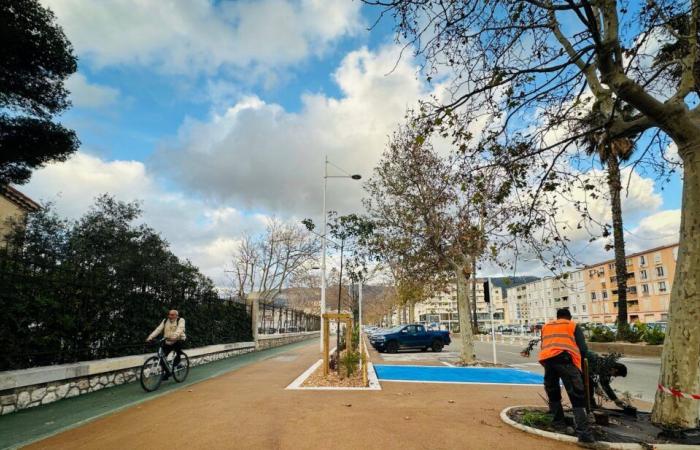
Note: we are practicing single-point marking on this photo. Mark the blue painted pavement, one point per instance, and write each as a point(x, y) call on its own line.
point(474, 375)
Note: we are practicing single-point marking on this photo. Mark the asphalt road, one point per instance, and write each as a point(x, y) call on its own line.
point(640, 383)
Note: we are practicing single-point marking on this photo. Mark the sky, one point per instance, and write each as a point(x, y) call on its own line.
point(217, 116)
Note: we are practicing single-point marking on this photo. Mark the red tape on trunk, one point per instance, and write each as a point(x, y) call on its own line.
point(677, 393)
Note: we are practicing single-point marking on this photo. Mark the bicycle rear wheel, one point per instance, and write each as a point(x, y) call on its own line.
point(151, 374)
point(181, 371)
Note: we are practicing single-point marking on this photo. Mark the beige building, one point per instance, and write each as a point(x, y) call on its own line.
point(14, 207)
point(537, 301)
point(441, 309)
point(590, 293)
point(649, 280)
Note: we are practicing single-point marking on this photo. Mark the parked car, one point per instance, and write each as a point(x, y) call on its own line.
point(611, 327)
point(413, 336)
point(659, 325)
point(504, 329)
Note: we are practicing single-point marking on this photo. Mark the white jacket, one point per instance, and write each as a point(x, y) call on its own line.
point(172, 330)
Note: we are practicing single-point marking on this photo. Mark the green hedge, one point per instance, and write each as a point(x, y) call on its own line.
point(96, 287)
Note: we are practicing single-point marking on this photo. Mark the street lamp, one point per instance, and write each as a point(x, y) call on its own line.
point(323, 233)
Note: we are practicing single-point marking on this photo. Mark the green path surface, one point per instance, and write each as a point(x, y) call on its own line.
point(29, 425)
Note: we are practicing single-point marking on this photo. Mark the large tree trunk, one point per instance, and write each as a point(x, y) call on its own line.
point(465, 328)
point(615, 186)
point(680, 361)
point(411, 312)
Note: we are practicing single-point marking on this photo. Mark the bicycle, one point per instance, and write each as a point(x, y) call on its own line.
point(152, 372)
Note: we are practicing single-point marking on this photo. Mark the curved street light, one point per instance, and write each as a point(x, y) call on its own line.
point(323, 235)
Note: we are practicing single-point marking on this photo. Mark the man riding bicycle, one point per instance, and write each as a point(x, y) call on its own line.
point(173, 329)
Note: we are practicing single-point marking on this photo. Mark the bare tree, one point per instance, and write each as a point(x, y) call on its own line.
point(267, 264)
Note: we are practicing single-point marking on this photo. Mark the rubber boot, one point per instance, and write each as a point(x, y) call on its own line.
point(557, 412)
point(583, 429)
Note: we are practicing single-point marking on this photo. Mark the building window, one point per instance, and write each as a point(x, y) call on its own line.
point(642, 260)
point(605, 294)
point(662, 286)
point(643, 274)
point(660, 271)
point(574, 308)
point(592, 295)
point(611, 266)
point(657, 258)
point(583, 307)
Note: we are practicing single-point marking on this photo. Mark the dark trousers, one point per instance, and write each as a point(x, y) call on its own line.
point(561, 367)
point(177, 347)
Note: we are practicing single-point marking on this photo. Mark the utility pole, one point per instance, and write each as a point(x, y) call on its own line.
point(323, 251)
point(360, 301)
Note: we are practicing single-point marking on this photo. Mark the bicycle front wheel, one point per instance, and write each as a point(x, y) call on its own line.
point(182, 369)
point(151, 374)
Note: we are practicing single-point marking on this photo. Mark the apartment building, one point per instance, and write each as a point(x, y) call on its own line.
point(649, 281)
point(517, 308)
point(577, 296)
point(590, 293)
point(538, 301)
point(441, 309)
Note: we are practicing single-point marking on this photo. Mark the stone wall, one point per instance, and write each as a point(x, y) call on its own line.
point(22, 389)
point(626, 348)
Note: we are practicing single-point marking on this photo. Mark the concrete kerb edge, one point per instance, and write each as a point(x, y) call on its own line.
point(572, 440)
point(372, 380)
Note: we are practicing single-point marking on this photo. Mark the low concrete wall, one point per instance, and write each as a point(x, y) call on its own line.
point(22, 389)
point(626, 348)
point(276, 340)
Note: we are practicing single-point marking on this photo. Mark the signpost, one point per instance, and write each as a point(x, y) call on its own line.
point(487, 299)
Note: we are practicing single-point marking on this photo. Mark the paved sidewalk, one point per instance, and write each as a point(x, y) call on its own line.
point(31, 424)
point(250, 409)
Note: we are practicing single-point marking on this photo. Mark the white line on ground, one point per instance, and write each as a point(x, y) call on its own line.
point(372, 380)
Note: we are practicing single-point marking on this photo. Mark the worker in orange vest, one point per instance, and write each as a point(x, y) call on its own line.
point(562, 345)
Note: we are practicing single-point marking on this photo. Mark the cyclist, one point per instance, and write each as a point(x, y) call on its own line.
point(173, 329)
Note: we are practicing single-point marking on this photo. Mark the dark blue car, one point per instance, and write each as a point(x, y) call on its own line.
point(409, 337)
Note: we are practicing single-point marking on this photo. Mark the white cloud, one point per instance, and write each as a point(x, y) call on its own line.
point(638, 199)
point(657, 229)
point(259, 156)
point(204, 35)
point(89, 95)
point(204, 233)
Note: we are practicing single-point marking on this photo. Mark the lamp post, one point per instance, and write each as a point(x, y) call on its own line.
point(323, 234)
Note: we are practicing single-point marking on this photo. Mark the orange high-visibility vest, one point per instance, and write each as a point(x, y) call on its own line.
point(557, 337)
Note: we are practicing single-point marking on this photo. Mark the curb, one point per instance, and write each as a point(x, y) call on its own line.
point(572, 440)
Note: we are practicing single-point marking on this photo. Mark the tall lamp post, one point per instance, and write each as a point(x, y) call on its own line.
point(323, 233)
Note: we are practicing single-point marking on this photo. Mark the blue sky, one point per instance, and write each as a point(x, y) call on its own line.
point(217, 116)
